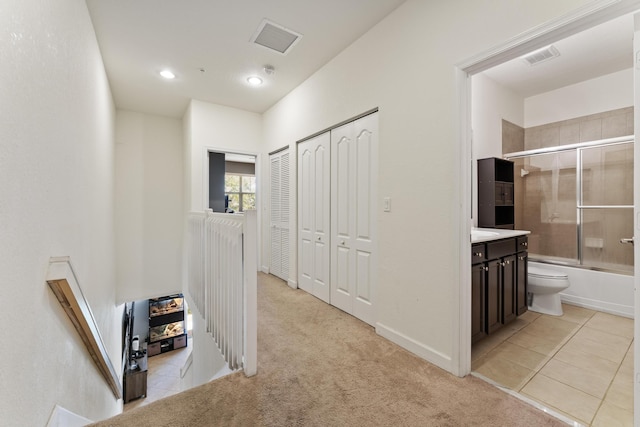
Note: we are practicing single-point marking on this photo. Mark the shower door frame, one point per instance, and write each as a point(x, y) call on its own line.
point(580, 207)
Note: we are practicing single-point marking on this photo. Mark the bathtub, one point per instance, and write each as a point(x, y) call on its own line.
point(596, 290)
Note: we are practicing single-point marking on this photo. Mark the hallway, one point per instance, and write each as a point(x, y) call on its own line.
point(320, 366)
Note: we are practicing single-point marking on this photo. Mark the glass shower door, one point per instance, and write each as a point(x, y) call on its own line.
point(547, 183)
point(606, 206)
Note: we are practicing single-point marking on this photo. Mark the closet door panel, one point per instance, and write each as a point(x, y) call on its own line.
point(342, 208)
point(284, 253)
point(314, 216)
point(276, 251)
point(364, 180)
point(341, 186)
point(363, 281)
point(341, 273)
point(305, 266)
point(285, 208)
point(365, 216)
point(305, 217)
point(321, 285)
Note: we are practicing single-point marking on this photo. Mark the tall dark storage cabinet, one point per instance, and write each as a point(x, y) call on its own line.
point(495, 193)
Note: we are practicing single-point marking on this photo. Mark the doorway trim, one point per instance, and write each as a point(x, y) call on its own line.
point(259, 187)
point(578, 20)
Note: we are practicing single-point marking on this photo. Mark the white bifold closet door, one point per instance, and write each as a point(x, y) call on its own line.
point(353, 216)
point(279, 208)
point(337, 193)
point(313, 216)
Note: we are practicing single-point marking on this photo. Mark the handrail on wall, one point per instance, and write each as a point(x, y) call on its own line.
point(63, 282)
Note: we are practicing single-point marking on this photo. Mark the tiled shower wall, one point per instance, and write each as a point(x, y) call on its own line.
point(553, 237)
point(609, 124)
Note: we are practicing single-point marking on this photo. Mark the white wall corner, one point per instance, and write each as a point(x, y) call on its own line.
point(425, 352)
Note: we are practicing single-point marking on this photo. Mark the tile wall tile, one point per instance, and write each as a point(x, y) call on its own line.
point(608, 124)
point(591, 130)
point(569, 133)
point(512, 137)
point(614, 126)
point(630, 122)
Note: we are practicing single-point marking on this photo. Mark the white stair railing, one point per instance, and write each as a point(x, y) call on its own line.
point(222, 276)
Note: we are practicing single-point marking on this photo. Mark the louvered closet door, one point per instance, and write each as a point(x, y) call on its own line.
point(353, 216)
point(280, 214)
point(313, 216)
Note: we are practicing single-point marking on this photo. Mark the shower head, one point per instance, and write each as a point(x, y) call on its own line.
point(524, 172)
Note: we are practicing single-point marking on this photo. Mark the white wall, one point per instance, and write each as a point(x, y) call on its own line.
point(149, 196)
point(490, 104)
point(593, 96)
point(221, 128)
point(56, 198)
point(405, 66)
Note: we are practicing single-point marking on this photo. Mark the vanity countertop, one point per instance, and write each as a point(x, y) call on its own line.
point(479, 235)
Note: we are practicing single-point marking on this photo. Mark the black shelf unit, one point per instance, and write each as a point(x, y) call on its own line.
point(167, 326)
point(495, 193)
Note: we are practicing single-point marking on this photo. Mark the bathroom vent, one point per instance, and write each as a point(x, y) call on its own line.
point(541, 55)
point(275, 37)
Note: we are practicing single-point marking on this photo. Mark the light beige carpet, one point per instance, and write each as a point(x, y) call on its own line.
point(318, 366)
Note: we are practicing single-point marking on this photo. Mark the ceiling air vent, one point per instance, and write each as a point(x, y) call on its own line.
point(541, 55)
point(275, 37)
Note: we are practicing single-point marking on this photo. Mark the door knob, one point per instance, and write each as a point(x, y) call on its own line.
point(627, 240)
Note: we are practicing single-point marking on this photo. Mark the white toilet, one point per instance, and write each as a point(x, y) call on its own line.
point(544, 289)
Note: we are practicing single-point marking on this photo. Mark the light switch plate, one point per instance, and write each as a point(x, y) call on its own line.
point(387, 204)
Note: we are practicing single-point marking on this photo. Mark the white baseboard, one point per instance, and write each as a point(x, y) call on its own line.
point(429, 354)
point(607, 307)
point(292, 284)
point(264, 269)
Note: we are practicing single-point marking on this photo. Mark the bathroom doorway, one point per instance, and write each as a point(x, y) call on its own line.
point(580, 316)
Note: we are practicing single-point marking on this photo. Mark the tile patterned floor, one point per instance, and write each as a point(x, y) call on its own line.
point(579, 364)
point(163, 376)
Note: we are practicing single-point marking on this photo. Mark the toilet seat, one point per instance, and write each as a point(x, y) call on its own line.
point(543, 273)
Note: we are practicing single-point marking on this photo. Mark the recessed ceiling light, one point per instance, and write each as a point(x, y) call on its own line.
point(254, 80)
point(167, 74)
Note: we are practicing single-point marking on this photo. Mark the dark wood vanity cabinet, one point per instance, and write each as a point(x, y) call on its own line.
point(498, 283)
point(521, 275)
point(478, 311)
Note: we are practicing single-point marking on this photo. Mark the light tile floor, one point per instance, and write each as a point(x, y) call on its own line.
point(579, 364)
point(163, 376)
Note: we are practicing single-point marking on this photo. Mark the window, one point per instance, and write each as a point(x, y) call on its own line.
point(241, 190)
